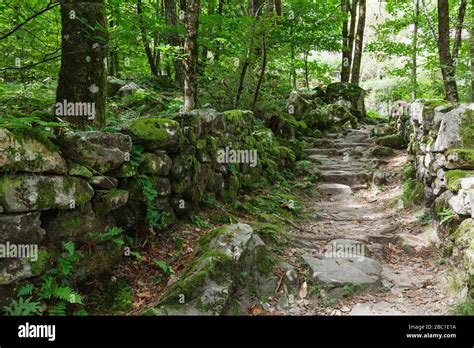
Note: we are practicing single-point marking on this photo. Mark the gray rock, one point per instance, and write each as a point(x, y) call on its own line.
point(461, 203)
point(77, 224)
point(25, 154)
point(106, 201)
point(156, 164)
point(21, 228)
point(128, 89)
point(362, 271)
point(103, 182)
point(113, 85)
point(101, 151)
point(14, 270)
point(335, 189)
point(24, 193)
point(449, 134)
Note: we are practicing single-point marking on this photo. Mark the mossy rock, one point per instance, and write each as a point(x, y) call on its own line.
point(394, 141)
point(80, 170)
point(460, 158)
point(206, 285)
point(467, 130)
point(106, 201)
point(23, 193)
point(157, 133)
point(453, 178)
point(382, 152)
point(24, 153)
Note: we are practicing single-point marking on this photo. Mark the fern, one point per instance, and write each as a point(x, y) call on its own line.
point(59, 309)
point(23, 307)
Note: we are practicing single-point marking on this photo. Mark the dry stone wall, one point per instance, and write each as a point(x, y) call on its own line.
point(442, 146)
point(84, 183)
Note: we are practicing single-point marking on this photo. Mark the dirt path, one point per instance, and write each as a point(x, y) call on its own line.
point(358, 235)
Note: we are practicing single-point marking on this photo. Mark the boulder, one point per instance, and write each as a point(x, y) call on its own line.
point(24, 193)
point(335, 189)
point(74, 225)
point(21, 228)
point(353, 94)
point(106, 201)
point(156, 163)
point(114, 85)
point(456, 129)
point(26, 154)
point(100, 151)
point(157, 133)
point(206, 285)
point(128, 89)
point(341, 271)
point(462, 202)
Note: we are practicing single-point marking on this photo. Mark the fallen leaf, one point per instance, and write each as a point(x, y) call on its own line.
point(303, 291)
point(255, 310)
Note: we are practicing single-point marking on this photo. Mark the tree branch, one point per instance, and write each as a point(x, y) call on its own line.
point(52, 4)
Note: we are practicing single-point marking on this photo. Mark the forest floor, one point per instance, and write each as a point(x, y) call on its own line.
point(401, 241)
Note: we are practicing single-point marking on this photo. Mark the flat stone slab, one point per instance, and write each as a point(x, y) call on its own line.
point(340, 271)
point(335, 189)
point(345, 177)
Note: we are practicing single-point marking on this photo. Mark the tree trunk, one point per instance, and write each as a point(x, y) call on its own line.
point(359, 44)
point(262, 74)
point(306, 73)
point(83, 73)
point(146, 44)
point(345, 65)
point(278, 8)
point(472, 51)
point(458, 33)
point(352, 29)
point(446, 61)
point(416, 17)
point(173, 38)
point(191, 50)
point(220, 10)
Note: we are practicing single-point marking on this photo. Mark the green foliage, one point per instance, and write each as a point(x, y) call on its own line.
point(53, 295)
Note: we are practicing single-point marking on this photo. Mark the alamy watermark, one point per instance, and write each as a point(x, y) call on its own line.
point(229, 155)
point(26, 251)
point(66, 108)
point(352, 250)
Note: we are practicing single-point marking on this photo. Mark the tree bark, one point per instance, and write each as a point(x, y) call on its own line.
point(345, 65)
point(83, 73)
point(191, 50)
point(262, 74)
point(458, 32)
point(359, 44)
point(472, 51)
point(173, 38)
point(416, 17)
point(352, 28)
point(445, 58)
point(146, 44)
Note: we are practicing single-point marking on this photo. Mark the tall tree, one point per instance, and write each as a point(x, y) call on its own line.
point(191, 50)
point(145, 41)
point(83, 73)
point(359, 43)
point(173, 38)
point(345, 65)
point(416, 17)
point(472, 51)
point(445, 58)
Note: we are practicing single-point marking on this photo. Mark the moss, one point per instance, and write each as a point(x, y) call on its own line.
point(453, 178)
point(20, 132)
point(46, 195)
point(79, 170)
point(40, 266)
point(467, 129)
point(8, 183)
point(465, 156)
point(153, 129)
point(394, 141)
point(382, 151)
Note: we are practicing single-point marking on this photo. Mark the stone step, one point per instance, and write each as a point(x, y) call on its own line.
point(346, 177)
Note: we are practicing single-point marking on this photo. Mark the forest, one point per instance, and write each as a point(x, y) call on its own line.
point(236, 157)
